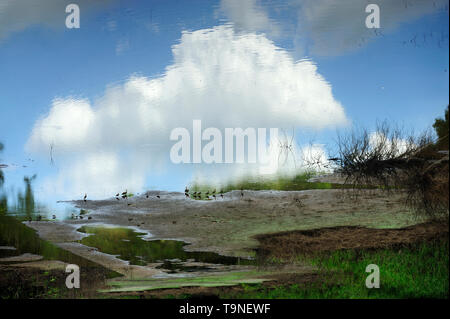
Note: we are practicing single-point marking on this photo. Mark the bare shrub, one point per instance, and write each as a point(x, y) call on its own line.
point(393, 160)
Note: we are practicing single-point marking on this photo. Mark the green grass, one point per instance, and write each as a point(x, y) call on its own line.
point(420, 271)
point(281, 183)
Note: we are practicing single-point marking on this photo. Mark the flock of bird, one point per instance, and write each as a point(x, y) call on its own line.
point(73, 216)
point(79, 216)
point(207, 194)
point(124, 195)
point(195, 195)
point(198, 195)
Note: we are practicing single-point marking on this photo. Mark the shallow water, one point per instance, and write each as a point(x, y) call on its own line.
point(15, 234)
point(127, 244)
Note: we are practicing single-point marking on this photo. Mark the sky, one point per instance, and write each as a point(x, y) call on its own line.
point(91, 109)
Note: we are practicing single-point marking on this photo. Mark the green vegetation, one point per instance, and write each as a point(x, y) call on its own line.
point(280, 183)
point(441, 127)
point(419, 271)
point(25, 240)
point(25, 202)
point(36, 283)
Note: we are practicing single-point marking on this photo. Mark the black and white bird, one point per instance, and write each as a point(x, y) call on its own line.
point(85, 196)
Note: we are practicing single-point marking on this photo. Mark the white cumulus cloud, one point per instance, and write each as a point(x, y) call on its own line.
point(220, 77)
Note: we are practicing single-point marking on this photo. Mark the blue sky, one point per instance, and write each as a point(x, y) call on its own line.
point(384, 77)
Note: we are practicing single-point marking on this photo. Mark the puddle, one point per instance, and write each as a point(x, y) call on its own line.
point(127, 244)
point(17, 239)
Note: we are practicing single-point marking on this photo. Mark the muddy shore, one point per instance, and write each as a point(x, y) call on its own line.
point(228, 226)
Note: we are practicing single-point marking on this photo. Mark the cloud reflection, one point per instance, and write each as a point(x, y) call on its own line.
point(224, 78)
point(325, 27)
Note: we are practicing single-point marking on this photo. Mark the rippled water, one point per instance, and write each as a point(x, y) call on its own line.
point(128, 245)
point(91, 110)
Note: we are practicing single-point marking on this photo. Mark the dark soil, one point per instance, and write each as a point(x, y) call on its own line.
point(292, 243)
point(30, 282)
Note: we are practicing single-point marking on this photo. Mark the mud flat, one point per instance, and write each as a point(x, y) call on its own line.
point(268, 222)
point(228, 226)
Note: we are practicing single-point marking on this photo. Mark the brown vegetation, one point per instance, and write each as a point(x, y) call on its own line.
point(293, 243)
